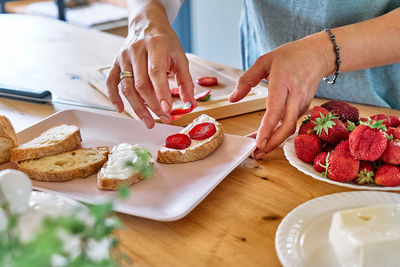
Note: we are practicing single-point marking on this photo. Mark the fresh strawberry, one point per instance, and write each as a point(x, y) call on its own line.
point(342, 109)
point(320, 162)
point(207, 81)
point(307, 146)
point(343, 147)
point(393, 133)
point(394, 121)
point(175, 92)
point(203, 96)
point(365, 173)
point(388, 175)
point(307, 127)
point(202, 131)
point(330, 130)
point(326, 147)
point(178, 141)
point(317, 112)
point(368, 141)
point(382, 117)
point(342, 167)
point(177, 113)
point(391, 154)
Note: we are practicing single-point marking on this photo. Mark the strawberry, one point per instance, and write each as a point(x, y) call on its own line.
point(349, 125)
point(203, 96)
point(394, 121)
point(320, 162)
point(393, 133)
point(307, 127)
point(207, 81)
point(178, 141)
point(317, 112)
point(342, 109)
point(368, 141)
point(391, 154)
point(365, 173)
point(307, 146)
point(175, 92)
point(388, 175)
point(176, 113)
point(202, 131)
point(342, 167)
point(330, 129)
point(343, 147)
point(382, 117)
point(328, 147)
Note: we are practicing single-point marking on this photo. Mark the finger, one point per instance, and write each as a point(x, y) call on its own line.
point(144, 86)
point(157, 69)
point(287, 127)
point(250, 78)
point(112, 82)
point(252, 135)
point(128, 89)
point(184, 81)
point(276, 100)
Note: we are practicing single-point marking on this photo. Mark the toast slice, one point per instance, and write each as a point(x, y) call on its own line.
point(56, 140)
point(127, 164)
point(65, 166)
point(198, 149)
point(8, 139)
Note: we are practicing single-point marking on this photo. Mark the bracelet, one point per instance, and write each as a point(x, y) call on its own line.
point(336, 47)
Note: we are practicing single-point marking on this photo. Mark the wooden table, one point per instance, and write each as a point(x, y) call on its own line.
point(234, 226)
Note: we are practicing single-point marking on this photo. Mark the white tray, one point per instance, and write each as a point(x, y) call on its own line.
point(173, 190)
point(302, 237)
point(308, 169)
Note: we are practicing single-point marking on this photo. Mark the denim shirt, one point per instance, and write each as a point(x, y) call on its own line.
point(267, 24)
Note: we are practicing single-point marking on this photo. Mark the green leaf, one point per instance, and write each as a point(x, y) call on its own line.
point(123, 192)
point(350, 126)
point(206, 98)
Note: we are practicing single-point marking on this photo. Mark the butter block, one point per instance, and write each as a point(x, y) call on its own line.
point(368, 236)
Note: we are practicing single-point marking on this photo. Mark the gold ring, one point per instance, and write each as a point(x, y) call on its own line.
point(125, 74)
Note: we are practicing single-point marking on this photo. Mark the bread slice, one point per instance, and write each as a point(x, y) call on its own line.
point(65, 166)
point(56, 140)
point(198, 149)
point(8, 139)
point(117, 172)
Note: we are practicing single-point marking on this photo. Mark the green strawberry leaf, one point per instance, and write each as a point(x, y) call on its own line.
point(350, 126)
point(206, 98)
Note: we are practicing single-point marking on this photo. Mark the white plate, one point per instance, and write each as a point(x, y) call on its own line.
point(302, 236)
point(173, 190)
point(308, 169)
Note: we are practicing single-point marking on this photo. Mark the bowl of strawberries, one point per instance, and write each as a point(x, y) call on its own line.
point(336, 146)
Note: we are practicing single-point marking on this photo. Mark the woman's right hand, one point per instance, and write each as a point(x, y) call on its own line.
point(150, 51)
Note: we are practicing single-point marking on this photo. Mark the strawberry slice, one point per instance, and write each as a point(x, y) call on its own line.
point(202, 131)
point(199, 96)
point(178, 141)
point(207, 81)
point(175, 91)
point(188, 107)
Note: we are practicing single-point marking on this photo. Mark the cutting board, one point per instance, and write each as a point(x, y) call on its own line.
point(218, 106)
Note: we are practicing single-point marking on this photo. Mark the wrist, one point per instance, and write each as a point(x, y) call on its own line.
point(327, 54)
point(148, 18)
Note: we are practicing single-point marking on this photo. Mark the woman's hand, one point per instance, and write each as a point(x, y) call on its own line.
point(150, 52)
point(293, 71)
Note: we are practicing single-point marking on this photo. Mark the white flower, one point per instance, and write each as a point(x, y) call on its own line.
point(98, 250)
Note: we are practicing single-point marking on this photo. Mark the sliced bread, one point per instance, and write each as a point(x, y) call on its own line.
point(65, 166)
point(56, 140)
point(127, 164)
point(198, 149)
point(8, 139)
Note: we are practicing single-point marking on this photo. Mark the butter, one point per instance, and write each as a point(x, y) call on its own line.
point(124, 162)
point(194, 143)
point(368, 236)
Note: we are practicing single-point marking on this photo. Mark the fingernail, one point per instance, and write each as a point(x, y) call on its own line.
point(187, 105)
point(259, 155)
point(165, 119)
point(165, 106)
point(147, 122)
point(264, 143)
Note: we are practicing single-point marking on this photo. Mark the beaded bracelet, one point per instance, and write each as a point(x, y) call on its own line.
point(336, 47)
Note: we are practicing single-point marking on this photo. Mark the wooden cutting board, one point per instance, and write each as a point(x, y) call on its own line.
point(218, 106)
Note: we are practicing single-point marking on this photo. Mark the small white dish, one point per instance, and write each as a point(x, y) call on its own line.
point(308, 169)
point(172, 191)
point(302, 236)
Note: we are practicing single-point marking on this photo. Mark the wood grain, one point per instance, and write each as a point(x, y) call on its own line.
point(234, 226)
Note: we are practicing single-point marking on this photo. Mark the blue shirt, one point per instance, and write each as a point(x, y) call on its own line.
point(267, 24)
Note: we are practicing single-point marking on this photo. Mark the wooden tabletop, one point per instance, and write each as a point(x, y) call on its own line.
point(234, 226)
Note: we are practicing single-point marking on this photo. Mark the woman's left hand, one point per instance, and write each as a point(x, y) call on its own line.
point(293, 71)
